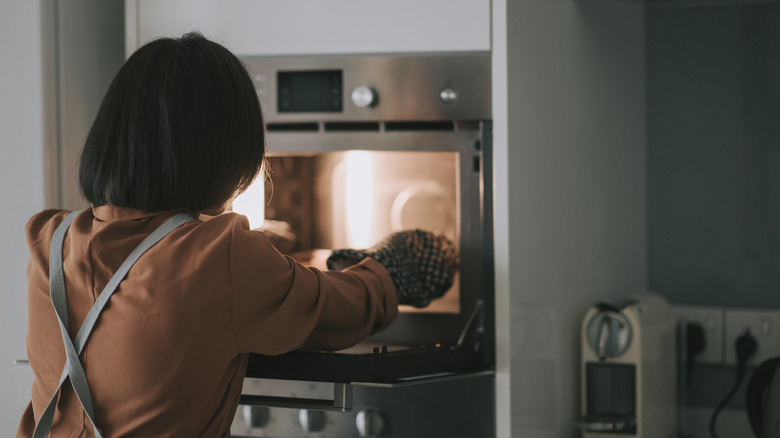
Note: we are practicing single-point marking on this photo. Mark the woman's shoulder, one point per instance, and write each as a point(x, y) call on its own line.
point(226, 221)
point(235, 229)
point(46, 219)
point(40, 228)
point(223, 227)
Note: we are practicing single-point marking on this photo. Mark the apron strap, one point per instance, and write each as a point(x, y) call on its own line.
point(73, 368)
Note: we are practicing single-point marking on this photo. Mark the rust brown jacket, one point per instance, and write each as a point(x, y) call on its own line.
point(168, 353)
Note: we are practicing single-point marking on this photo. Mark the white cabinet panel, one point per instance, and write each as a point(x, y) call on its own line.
point(260, 27)
point(569, 127)
point(21, 190)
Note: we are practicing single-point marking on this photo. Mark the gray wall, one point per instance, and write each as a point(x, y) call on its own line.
point(714, 173)
point(90, 50)
point(714, 154)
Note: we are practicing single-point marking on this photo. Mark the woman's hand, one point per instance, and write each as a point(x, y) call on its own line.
point(421, 264)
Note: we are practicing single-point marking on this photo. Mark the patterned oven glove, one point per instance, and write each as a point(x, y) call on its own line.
point(421, 264)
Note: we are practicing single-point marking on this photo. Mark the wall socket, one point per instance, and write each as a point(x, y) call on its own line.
point(712, 320)
point(763, 325)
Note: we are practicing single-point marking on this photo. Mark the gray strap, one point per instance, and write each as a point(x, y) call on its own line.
point(58, 301)
point(73, 368)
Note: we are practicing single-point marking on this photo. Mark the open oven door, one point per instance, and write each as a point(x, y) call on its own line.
point(371, 364)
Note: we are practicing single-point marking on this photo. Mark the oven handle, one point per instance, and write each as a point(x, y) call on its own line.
point(342, 400)
point(422, 380)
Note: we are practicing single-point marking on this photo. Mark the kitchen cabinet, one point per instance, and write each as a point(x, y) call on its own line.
point(272, 27)
point(570, 166)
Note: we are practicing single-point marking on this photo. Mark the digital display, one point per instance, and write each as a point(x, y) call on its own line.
point(309, 91)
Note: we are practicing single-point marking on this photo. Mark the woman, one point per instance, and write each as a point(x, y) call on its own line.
point(180, 133)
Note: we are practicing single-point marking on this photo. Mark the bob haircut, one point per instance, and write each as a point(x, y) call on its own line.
point(180, 127)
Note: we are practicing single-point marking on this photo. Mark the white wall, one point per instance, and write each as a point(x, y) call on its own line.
point(21, 190)
point(570, 189)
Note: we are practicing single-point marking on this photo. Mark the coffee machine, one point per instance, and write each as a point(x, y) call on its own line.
point(628, 369)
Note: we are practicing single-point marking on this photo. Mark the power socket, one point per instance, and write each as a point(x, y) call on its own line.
point(763, 325)
point(711, 320)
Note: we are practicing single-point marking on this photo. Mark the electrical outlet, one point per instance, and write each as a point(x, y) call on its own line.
point(763, 325)
point(711, 320)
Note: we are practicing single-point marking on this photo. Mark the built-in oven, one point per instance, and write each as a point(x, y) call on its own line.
point(359, 147)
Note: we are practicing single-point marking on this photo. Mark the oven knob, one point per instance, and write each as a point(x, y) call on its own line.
point(311, 420)
point(369, 423)
point(448, 95)
point(256, 416)
point(365, 96)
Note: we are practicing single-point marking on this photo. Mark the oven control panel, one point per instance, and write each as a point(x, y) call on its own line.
point(258, 421)
point(390, 87)
point(456, 407)
point(261, 421)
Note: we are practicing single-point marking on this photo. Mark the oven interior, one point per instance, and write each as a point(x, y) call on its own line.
point(324, 193)
point(353, 199)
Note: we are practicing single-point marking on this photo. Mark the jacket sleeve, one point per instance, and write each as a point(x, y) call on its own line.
point(280, 305)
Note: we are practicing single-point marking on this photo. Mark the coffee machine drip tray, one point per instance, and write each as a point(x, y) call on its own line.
point(608, 425)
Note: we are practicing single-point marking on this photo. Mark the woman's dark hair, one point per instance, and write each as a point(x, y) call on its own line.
point(180, 127)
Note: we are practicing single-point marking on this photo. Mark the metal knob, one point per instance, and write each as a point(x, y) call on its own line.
point(609, 334)
point(369, 423)
point(311, 420)
point(256, 416)
point(365, 96)
point(448, 95)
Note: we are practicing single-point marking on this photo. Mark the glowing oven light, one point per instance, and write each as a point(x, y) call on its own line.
point(251, 203)
point(358, 195)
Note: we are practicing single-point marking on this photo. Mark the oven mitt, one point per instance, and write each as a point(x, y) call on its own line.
point(421, 264)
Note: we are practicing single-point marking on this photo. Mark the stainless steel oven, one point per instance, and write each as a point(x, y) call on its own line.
point(358, 147)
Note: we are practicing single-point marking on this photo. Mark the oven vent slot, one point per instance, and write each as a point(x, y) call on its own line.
point(420, 126)
point(293, 127)
point(368, 126)
point(352, 126)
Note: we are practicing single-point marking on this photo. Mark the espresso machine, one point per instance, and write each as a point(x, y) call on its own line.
point(628, 369)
